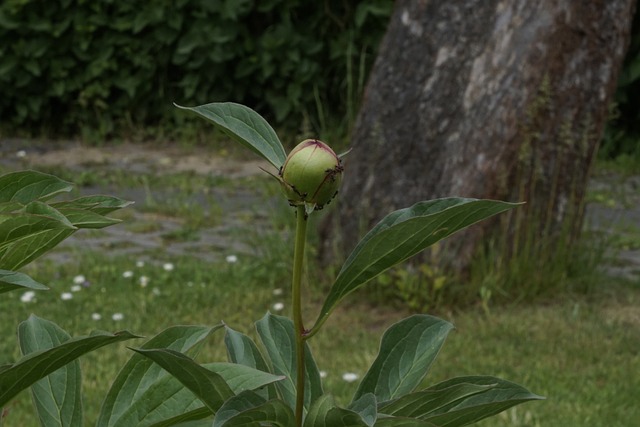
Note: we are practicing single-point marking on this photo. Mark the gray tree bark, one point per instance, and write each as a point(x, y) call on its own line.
point(500, 99)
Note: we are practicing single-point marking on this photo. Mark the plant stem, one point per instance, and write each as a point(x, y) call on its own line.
point(298, 261)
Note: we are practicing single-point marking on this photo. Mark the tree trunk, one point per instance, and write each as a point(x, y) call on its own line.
point(500, 99)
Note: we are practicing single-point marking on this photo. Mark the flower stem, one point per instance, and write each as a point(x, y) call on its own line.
point(298, 261)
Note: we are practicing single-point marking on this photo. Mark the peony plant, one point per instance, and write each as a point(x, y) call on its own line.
point(273, 382)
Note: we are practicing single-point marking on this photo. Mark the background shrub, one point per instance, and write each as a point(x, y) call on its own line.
point(72, 65)
point(622, 136)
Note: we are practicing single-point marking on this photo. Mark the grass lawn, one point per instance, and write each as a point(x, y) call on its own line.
point(580, 351)
point(583, 354)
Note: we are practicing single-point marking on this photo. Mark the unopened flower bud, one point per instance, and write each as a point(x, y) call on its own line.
point(311, 174)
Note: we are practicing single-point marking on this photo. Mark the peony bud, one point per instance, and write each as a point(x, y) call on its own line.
point(311, 174)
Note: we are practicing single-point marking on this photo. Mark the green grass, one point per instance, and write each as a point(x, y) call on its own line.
point(193, 292)
point(581, 351)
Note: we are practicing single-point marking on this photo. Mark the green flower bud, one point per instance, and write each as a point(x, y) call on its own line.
point(311, 174)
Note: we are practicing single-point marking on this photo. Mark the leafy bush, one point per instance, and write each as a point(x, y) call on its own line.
point(73, 65)
point(622, 136)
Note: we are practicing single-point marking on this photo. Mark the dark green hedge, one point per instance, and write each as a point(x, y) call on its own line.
point(69, 65)
point(622, 136)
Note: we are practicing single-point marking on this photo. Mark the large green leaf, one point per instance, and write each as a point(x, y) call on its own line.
point(278, 337)
point(27, 186)
point(242, 350)
point(422, 403)
point(57, 397)
point(246, 127)
point(250, 409)
point(10, 280)
point(208, 386)
point(35, 366)
point(325, 413)
point(407, 350)
point(140, 374)
point(402, 234)
point(500, 396)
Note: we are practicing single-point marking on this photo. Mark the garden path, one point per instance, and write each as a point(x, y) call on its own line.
point(614, 207)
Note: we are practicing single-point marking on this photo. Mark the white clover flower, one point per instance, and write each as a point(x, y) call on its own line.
point(349, 377)
point(96, 316)
point(278, 306)
point(232, 259)
point(155, 291)
point(277, 291)
point(117, 316)
point(76, 288)
point(66, 296)
point(167, 266)
point(139, 263)
point(323, 374)
point(28, 296)
point(79, 279)
point(127, 274)
point(21, 154)
point(144, 281)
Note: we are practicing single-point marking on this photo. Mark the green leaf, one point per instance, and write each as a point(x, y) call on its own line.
point(402, 422)
point(140, 374)
point(35, 366)
point(367, 407)
point(87, 219)
point(27, 186)
point(407, 350)
point(152, 407)
point(164, 400)
point(56, 397)
point(186, 418)
point(34, 219)
point(278, 337)
point(208, 386)
point(236, 405)
point(402, 234)
point(499, 397)
point(185, 406)
point(99, 204)
point(10, 280)
point(250, 409)
point(241, 378)
point(23, 251)
point(422, 403)
point(246, 127)
point(33, 229)
point(325, 413)
point(242, 350)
